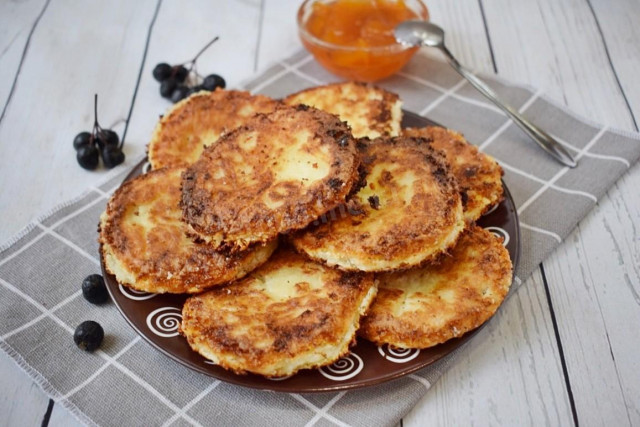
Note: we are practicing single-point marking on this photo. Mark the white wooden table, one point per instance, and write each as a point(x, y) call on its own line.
point(564, 350)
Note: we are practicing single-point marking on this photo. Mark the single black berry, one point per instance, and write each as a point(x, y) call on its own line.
point(212, 82)
point(167, 87)
point(180, 73)
point(162, 71)
point(112, 156)
point(88, 335)
point(81, 139)
point(94, 290)
point(88, 157)
point(107, 137)
point(179, 93)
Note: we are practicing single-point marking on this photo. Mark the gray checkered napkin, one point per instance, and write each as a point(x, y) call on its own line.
point(129, 383)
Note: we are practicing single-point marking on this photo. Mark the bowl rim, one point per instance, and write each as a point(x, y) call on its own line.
point(395, 47)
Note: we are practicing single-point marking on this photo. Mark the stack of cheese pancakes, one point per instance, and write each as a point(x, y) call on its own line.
point(299, 224)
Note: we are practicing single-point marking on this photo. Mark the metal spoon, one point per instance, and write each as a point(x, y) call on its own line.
point(423, 33)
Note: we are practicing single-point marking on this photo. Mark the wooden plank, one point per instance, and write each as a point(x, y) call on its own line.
point(22, 402)
point(593, 277)
point(619, 213)
point(17, 20)
point(233, 56)
point(465, 33)
point(101, 52)
point(61, 417)
point(618, 23)
point(65, 66)
point(517, 351)
point(556, 47)
point(508, 375)
point(279, 35)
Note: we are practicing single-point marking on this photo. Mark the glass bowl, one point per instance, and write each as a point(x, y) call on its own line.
point(363, 62)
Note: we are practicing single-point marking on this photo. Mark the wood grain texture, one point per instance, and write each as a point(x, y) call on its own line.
point(232, 56)
point(617, 22)
point(593, 277)
point(279, 36)
point(65, 66)
point(60, 416)
point(511, 374)
point(555, 46)
point(22, 402)
point(17, 21)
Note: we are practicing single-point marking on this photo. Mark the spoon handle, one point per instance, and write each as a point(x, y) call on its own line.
point(543, 139)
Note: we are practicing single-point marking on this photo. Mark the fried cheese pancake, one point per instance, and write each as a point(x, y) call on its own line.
point(289, 314)
point(369, 110)
point(144, 241)
point(198, 121)
point(422, 307)
point(277, 173)
point(408, 212)
point(479, 176)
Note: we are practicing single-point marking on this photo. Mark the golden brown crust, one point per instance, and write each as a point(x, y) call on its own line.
point(422, 307)
point(198, 121)
point(275, 174)
point(144, 242)
point(478, 174)
point(289, 314)
point(369, 110)
point(408, 212)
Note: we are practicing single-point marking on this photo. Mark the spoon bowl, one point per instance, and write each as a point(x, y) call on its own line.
point(419, 33)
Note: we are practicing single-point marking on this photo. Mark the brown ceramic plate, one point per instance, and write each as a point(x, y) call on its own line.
point(156, 319)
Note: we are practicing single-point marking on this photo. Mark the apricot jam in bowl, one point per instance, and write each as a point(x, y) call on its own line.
point(354, 38)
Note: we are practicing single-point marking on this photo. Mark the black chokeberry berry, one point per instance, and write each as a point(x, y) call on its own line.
point(88, 157)
point(179, 93)
point(167, 87)
point(180, 73)
point(108, 137)
point(94, 290)
point(162, 71)
point(88, 335)
point(112, 156)
point(81, 139)
point(212, 82)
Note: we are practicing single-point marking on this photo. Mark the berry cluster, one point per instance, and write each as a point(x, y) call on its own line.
point(90, 146)
point(178, 82)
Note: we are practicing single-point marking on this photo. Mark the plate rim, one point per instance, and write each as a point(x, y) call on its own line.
point(241, 380)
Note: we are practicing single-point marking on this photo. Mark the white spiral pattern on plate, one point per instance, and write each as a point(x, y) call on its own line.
point(398, 355)
point(343, 369)
point(280, 378)
point(493, 209)
point(135, 295)
point(500, 233)
point(146, 167)
point(164, 321)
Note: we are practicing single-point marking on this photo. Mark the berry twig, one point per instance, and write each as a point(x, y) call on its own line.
point(178, 82)
point(195, 58)
point(99, 142)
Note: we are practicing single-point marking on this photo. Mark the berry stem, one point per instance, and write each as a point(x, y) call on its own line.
point(215, 39)
point(117, 122)
point(95, 111)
